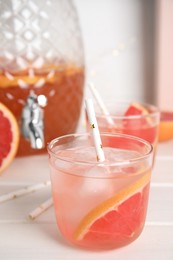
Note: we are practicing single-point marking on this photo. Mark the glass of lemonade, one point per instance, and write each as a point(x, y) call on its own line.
point(132, 118)
point(100, 205)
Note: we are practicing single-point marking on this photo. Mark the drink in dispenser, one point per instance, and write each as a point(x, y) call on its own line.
point(41, 69)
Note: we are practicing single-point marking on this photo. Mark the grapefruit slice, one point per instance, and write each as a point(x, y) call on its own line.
point(118, 219)
point(166, 126)
point(141, 127)
point(9, 137)
point(136, 109)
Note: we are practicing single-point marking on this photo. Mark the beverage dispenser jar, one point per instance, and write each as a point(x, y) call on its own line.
point(41, 69)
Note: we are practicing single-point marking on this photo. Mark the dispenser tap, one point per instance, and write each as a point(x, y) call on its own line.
point(32, 126)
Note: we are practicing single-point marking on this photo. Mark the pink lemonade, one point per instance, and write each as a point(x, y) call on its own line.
point(100, 206)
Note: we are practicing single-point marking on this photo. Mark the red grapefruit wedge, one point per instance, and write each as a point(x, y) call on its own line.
point(166, 126)
point(141, 126)
point(136, 109)
point(9, 137)
point(118, 220)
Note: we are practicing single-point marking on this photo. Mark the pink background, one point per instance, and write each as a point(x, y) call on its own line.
point(164, 58)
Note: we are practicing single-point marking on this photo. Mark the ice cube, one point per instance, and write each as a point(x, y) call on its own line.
point(85, 154)
point(118, 155)
point(95, 189)
point(98, 171)
point(60, 164)
point(82, 154)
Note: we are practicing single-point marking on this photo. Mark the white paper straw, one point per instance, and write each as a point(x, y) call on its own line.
point(101, 104)
point(95, 130)
point(40, 209)
point(29, 189)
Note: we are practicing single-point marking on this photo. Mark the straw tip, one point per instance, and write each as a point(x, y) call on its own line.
point(91, 84)
point(88, 101)
point(30, 217)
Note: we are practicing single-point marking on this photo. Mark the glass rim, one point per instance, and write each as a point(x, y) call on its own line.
point(96, 163)
point(155, 112)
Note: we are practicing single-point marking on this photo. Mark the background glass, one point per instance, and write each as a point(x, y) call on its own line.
point(145, 125)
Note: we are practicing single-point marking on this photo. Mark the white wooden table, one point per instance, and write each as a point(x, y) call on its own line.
point(21, 238)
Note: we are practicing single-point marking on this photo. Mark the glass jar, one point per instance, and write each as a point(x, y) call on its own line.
point(41, 69)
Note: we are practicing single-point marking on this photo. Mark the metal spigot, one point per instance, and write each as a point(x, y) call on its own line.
point(33, 120)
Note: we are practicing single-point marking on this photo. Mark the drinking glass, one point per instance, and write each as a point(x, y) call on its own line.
point(137, 119)
point(100, 205)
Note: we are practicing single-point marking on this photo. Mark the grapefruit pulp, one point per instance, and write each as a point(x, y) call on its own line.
point(9, 137)
point(136, 109)
point(141, 127)
point(118, 220)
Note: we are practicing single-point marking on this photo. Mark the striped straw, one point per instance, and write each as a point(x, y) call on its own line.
point(101, 104)
point(94, 130)
point(40, 209)
point(26, 190)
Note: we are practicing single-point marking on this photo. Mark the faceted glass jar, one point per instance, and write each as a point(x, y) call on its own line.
point(41, 53)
